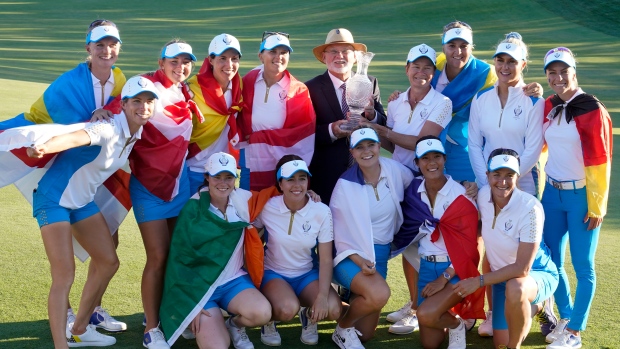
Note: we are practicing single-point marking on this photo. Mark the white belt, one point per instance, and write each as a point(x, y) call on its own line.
point(435, 259)
point(566, 185)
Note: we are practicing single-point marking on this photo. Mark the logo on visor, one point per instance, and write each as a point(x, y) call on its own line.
point(508, 225)
point(142, 83)
point(557, 55)
point(518, 111)
point(506, 158)
point(362, 132)
point(429, 142)
point(458, 32)
point(295, 163)
point(182, 47)
point(223, 160)
point(227, 39)
point(423, 49)
point(278, 37)
point(337, 31)
point(508, 46)
point(106, 29)
point(306, 227)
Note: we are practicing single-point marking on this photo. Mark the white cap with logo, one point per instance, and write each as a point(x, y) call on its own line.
point(560, 54)
point(427, 146)
point(504, 161)
point(288, 169)
point(515, 51)
point(136, 85)
point(221, 162)
point(223, 42)
point(273, 41)
point(458, 33)
point(363, 134)
point(422, 50)
point(177, 48)
point(101, 32)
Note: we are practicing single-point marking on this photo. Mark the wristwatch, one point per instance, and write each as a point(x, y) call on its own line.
point(446, 275)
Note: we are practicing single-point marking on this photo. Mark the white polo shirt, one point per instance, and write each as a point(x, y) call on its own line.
point(102, 93)
point(519, 221)
point(76, 173)
point(290, 254)
point(565, 161)
point(383, 211)
point(434, 107)
point(517, 126)
point(269, 105)
point(448, 193)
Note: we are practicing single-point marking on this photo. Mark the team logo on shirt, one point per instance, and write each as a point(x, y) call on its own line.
point(423, 49)
point(227, 40)
point(424, 114)
point(445, 205)
point(306, 227)
point(224, 160)
point(387, 185)
point(508, 225)
point(518, 112)
point(282, 95)
point(237, 214)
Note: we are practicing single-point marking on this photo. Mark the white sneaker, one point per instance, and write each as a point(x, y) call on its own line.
point(566, 341)
point(309, 331)
point(238, 336)
point(347, 338)
point(557, 331)
point(70, 317)
point(188, 334)
point(154, 339)
point(399, 314)
point(486, 327)
point(90, 338)
point(469, 324)
point(406, 325)
point(457, 336)
point(269, 335)
point(102, 319)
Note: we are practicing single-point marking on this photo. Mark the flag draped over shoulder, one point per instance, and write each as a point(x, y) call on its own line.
point(459, 228)
point(209, 97)
point(475, 76)
point(265, 148)
point(68, 100)
point(596, 134)
point(165, 136)
point(201, 248)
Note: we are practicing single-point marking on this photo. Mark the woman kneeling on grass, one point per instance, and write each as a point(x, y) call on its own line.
point(522, 272)
point(447, 247)
point(294, 226)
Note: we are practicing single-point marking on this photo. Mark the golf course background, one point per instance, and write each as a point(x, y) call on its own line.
point(40, 40)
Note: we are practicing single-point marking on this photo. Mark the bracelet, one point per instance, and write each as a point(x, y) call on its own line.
point(481, 281)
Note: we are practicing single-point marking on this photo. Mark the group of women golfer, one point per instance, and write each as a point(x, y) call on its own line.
point(464, 186)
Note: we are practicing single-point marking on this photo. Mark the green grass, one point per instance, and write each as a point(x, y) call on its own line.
point(41, 39)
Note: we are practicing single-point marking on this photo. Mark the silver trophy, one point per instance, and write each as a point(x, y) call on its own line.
point(359, 90)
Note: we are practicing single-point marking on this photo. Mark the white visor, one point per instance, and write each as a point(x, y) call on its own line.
point(427, 146)
point(274, 41)
point(223, 42)
point(177, 48)
point(504, 161)
point(289, 169)
point(221, 162)
point(457, 33)
point(515, 51)
point(137, 85)
point(363, 134)
point(102, 31)
point(422, 51)
point(559, 55)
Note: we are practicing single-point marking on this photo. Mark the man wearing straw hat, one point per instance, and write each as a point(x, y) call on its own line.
point(327, 91)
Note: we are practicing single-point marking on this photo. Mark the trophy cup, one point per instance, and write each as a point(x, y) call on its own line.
point(359, 90)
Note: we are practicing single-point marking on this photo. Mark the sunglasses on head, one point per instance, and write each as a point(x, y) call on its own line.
point(267, 34)
point(100, 22)
point(451, 25)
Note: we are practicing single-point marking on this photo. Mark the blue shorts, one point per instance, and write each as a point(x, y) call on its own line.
point(430, 271)
point(196, 179)
point(345, 271)
point(148, 207)
point(547, 282)
point(298, 283)
point(48, 211)
point(225, 293)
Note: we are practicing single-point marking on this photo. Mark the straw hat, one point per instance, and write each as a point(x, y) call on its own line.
point(337, 36)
